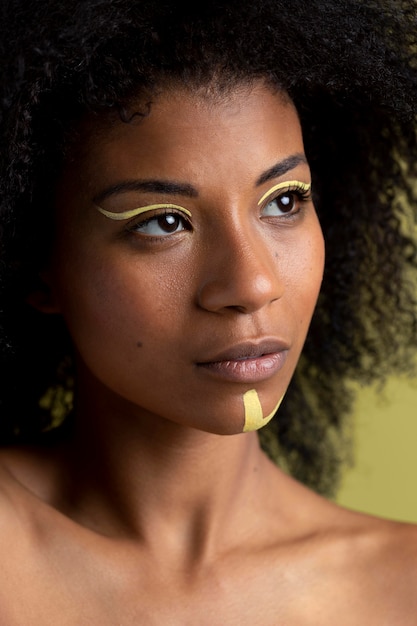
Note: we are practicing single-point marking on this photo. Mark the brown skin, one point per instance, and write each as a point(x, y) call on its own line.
point(159, 510)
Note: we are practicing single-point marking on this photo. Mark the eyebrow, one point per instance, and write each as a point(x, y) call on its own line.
point(147, 186)
point(281, 168)
point(184, 189)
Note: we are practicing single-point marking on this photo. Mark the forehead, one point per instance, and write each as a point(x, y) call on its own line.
point(192, 135)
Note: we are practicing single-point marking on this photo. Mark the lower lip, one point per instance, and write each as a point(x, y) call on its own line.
point(250, 370)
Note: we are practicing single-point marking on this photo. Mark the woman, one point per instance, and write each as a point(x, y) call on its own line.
point(162, 263)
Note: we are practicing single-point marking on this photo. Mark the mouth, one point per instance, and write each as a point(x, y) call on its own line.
point(247, 362)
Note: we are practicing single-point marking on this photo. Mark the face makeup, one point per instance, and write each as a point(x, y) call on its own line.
point(231, 274)
point(287, 186)
point(125, 215)
point(292, 185)
point(254, 418)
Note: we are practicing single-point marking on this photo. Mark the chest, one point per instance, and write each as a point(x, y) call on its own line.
point(68, 583)
point(83, 595)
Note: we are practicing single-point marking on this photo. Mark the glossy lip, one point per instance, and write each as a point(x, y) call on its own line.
point(248, 362)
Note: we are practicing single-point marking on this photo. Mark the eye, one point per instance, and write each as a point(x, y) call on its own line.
point(161, 225)
point(284, 203)
point(285, 199)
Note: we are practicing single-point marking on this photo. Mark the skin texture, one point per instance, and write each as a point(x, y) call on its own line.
point(236, 276)
point(150, 514)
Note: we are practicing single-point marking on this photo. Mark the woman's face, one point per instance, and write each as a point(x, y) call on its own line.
point(179, 312)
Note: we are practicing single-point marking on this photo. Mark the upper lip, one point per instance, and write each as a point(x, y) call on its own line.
point(249, 350)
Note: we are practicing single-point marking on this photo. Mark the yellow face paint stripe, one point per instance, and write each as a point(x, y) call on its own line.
point(254, 418)
point(289, 185)
point(125, 215)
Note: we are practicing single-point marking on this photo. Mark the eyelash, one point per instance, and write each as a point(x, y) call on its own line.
point(302, 195)
point(133, 227)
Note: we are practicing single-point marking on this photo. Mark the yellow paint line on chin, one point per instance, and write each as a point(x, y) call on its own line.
point(254, 418)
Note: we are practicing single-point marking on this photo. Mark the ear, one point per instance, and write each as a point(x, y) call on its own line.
point(42, 296)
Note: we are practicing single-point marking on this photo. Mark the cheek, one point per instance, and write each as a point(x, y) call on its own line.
point(107, 300)
point(315, 261)
point(305, 278)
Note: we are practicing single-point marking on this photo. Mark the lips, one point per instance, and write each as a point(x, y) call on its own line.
point(247, 362)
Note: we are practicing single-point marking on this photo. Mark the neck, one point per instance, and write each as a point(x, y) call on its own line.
point(170, 487)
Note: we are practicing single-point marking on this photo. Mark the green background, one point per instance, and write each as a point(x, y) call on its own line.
point(383, 479)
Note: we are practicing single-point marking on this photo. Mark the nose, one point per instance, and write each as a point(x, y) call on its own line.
point(241, 274)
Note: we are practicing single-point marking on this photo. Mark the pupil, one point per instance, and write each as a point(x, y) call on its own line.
point(286, 202)
point(169, 223)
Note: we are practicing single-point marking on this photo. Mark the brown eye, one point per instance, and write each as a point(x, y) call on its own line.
point(282, 204)
point(169, 223)
point(161, 225)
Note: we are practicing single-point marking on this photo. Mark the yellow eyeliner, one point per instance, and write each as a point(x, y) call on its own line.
point(290, 185)
point(125, 215)
point(254, 418)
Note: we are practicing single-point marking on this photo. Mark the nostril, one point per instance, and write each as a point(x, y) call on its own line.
point(242, 293)
point(238, 308)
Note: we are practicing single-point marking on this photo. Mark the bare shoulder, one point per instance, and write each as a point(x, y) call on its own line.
point(372, 564)
point(26, 484)
point(350, 568)
point(14, 493)
point(380, 542)
point(16, 526)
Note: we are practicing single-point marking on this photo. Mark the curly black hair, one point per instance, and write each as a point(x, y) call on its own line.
point(350, 67)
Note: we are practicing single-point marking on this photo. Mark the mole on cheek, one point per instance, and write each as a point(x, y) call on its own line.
point(139, 344)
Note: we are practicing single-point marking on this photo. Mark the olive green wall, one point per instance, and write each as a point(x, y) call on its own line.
point(383, 480)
